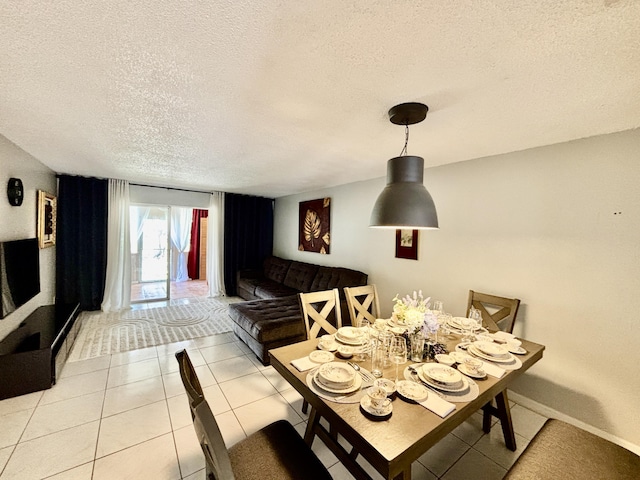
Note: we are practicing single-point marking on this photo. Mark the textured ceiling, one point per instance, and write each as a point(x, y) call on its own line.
point(273, 97)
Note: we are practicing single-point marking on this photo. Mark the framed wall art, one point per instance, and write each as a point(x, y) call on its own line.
point(315, 226)
point(46, 219)
point(407, 244)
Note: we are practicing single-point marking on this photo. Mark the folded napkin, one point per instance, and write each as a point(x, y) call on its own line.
point(493, 370)
point(438, 405)
point(303, 364)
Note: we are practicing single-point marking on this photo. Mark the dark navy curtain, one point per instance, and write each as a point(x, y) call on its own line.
point(81, 244)
point(248, 235)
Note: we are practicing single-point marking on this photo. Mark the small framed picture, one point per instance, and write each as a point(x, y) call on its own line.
point(46, 219)
point(407, 244)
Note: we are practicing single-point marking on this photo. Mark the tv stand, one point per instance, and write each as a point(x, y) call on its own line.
point(31, 355)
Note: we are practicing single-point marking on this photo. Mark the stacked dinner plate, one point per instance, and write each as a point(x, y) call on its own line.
point(349, 335)
point(456, 323)
point(337, 377)
point(442, 377)
point(491, 351)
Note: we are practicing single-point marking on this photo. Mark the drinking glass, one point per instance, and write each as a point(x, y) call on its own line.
point(398, 352)
point(363, 330)
point(384, 337)
point(417, 347)
point(477, 316)
point(468, 326)
point(378, 354)
point(438, 307)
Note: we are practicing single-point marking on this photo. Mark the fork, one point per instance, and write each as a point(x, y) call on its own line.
point(366, 376)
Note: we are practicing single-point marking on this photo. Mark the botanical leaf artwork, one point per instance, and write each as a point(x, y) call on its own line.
point(314, 226)
point(311, 226)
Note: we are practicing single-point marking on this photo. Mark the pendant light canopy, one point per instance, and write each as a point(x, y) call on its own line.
point(405, 203)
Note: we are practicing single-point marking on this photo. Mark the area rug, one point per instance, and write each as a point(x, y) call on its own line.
point(107, 333)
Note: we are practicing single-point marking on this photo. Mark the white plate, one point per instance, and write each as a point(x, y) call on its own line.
point(492, 349)
point(329, 348)
point(444, 388)
point(336, 374)
point(357, 383)
point(479, 374)
point(365, 403)
point(508, 359)
point(412, 391)
point(321, 356)
point(349, 336)
point(503, 336)
point(518, 351)
point(444, 374)
point(459, 356)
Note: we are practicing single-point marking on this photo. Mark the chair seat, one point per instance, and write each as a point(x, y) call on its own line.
point(276, 452)
point(561, 451)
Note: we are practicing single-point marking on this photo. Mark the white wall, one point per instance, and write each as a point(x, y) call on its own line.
point(21, 222)
point(557, 227)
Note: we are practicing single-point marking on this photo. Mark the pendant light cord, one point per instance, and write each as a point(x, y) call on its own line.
point(406, 140)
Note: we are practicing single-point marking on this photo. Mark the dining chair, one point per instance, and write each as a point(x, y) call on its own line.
point(274, 452)
point(561, 451)
point(318, 310)
point(504, 310)
point(503, 318)
point(321, 312)
point(363, 303)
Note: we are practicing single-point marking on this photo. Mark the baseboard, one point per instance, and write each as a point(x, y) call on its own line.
point(551, 413)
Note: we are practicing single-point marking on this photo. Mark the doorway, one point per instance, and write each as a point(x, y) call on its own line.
point(154, 256)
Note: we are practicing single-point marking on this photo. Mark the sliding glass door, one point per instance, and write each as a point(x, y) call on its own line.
point(150, 253)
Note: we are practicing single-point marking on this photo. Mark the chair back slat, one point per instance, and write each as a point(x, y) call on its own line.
point(363, 303)
point(317, 308)
point(504, 316)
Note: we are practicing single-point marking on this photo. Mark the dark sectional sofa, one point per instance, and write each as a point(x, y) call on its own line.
point(272, 316)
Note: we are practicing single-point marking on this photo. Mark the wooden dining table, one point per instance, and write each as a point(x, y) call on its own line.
point(393, 444)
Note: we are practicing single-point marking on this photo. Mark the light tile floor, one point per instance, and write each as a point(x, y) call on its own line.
point(125, 416)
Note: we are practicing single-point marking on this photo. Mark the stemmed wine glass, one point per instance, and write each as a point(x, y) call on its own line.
point(398, 352)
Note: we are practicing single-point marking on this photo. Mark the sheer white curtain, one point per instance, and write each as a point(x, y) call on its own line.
point(117, 293)
point(215, 245)
point(138, 216)
point(180, 237)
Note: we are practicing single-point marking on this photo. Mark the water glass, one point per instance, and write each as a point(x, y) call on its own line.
point(417, 347)
point(361, 351)
point(384, 337)
point(398, 352)
point(378, 355)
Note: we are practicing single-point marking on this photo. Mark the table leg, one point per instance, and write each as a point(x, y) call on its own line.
point(504, 414)
point(312, 422)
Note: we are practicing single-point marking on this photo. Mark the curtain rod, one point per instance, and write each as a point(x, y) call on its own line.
point(169, 188)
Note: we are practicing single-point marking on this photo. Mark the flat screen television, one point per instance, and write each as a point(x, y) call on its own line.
point(19, 273)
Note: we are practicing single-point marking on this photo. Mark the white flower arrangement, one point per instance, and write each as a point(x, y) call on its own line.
point(414, 310)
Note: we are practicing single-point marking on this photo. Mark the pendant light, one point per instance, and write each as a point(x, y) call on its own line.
point(405, 203)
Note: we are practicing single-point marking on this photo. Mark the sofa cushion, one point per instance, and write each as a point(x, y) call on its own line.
point(269, 289)
point(300, 276)
point(269, 320)
point(275, 268)
point(336, 277)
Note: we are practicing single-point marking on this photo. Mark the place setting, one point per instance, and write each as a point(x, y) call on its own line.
point(445, 381)
point(339, 382)
point(497, 354)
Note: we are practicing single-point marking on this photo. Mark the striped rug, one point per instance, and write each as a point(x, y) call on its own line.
point(107, 333)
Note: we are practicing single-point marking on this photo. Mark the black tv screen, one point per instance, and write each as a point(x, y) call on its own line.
point(19, 273)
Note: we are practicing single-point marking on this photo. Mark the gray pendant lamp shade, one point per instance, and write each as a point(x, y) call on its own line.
point(405, 203)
